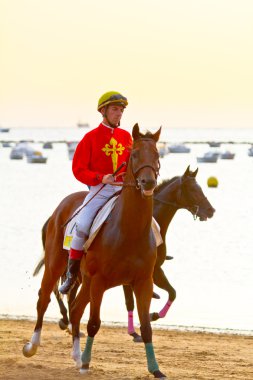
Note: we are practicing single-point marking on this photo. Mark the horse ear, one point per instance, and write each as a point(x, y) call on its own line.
point(187, 172)
point(157, 134)
point(195, 173)
point(136, 131)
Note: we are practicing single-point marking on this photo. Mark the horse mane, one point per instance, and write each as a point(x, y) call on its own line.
point(164, 183)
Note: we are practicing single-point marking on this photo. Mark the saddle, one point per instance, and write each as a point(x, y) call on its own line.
point(99, 220)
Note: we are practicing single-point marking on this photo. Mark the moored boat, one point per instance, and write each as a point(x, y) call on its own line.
point(36, 158)
point(179, 148)
point(250, 151)
point(227, 155)
point(16, 154)
point(210, 157)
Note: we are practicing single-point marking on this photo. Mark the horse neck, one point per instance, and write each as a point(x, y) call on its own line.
point(164, 213)
point(134, 211)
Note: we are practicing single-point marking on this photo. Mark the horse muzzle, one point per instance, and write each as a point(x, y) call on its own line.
point(204, 214)
point(147, 186)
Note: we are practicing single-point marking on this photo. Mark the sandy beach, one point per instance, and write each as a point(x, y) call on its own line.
point(181, 355)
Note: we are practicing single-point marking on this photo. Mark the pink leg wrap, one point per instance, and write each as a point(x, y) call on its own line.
point(165, 309)
point(130, 329)
point(75, 254)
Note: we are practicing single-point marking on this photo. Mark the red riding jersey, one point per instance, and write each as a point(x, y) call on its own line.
point(101, 152)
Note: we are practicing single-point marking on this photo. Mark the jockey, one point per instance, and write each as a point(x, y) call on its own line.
point(97, 156)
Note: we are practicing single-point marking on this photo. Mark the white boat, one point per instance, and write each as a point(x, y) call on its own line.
point(6, 144)
point(71, 148)
point(36, 158)
point(16, 154)
point(24, 147)
point(80, 124)
point(214, 144)
point(227, 155)
point(250, 151)
point(179, 148)
point(209, 157)
point(47, 145)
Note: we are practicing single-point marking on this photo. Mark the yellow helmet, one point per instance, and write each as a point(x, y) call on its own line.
point(111, 97)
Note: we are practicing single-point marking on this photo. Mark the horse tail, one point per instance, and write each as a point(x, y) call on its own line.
point(44, 233)
point(42, 260)
point(39, 266)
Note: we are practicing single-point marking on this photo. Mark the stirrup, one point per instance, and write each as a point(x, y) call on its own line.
point(67, 285)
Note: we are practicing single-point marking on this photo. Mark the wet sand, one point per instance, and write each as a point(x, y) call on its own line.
point(181, 355)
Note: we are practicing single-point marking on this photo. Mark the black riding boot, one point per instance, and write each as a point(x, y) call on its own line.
point(73, 269)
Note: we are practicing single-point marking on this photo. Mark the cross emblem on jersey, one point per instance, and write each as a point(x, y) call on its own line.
point(114, 149)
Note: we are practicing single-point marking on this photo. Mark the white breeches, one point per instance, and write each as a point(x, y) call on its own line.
point(87, 214)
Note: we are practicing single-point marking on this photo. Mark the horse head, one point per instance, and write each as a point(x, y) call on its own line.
point(144, 160)
point(192, 198)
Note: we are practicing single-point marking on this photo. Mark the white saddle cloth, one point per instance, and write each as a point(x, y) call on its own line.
point(100, 218)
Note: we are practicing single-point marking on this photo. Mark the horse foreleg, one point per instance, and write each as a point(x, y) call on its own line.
point(143, 292)
point(77, 308)
point(129, 300)
point(96, 295)
point(161, 280)
point(71, 298)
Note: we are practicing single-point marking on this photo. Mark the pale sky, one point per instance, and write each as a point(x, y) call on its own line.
point(181, 63)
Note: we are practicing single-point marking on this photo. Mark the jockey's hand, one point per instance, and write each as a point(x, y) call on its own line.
point(121, 176)
point(108, 179)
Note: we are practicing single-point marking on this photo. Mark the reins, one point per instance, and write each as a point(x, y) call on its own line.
point(73, 216)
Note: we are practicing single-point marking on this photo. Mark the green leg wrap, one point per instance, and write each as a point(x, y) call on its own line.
point(86, 355)
point(152, 363)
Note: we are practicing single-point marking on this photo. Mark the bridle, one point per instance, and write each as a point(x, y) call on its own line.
point(135, 171)
point(177, 204)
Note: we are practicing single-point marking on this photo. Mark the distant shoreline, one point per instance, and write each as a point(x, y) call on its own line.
point(112, 324)
point(66, 141)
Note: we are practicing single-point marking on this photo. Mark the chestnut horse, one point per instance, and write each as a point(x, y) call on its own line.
point(181, 192)
point(123, 253)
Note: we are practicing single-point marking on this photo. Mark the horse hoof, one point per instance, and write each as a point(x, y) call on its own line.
point(29, 350)
point(81, 334)
point(62, 325)
point(136, 338)
point(159, 375)
point(84, 369)
point(153, 317)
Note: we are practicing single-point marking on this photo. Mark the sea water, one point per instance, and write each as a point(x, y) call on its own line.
point(213, 260)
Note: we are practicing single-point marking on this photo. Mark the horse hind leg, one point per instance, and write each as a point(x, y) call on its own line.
point(31, 347)
point(161, 280)
point(47, 285)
